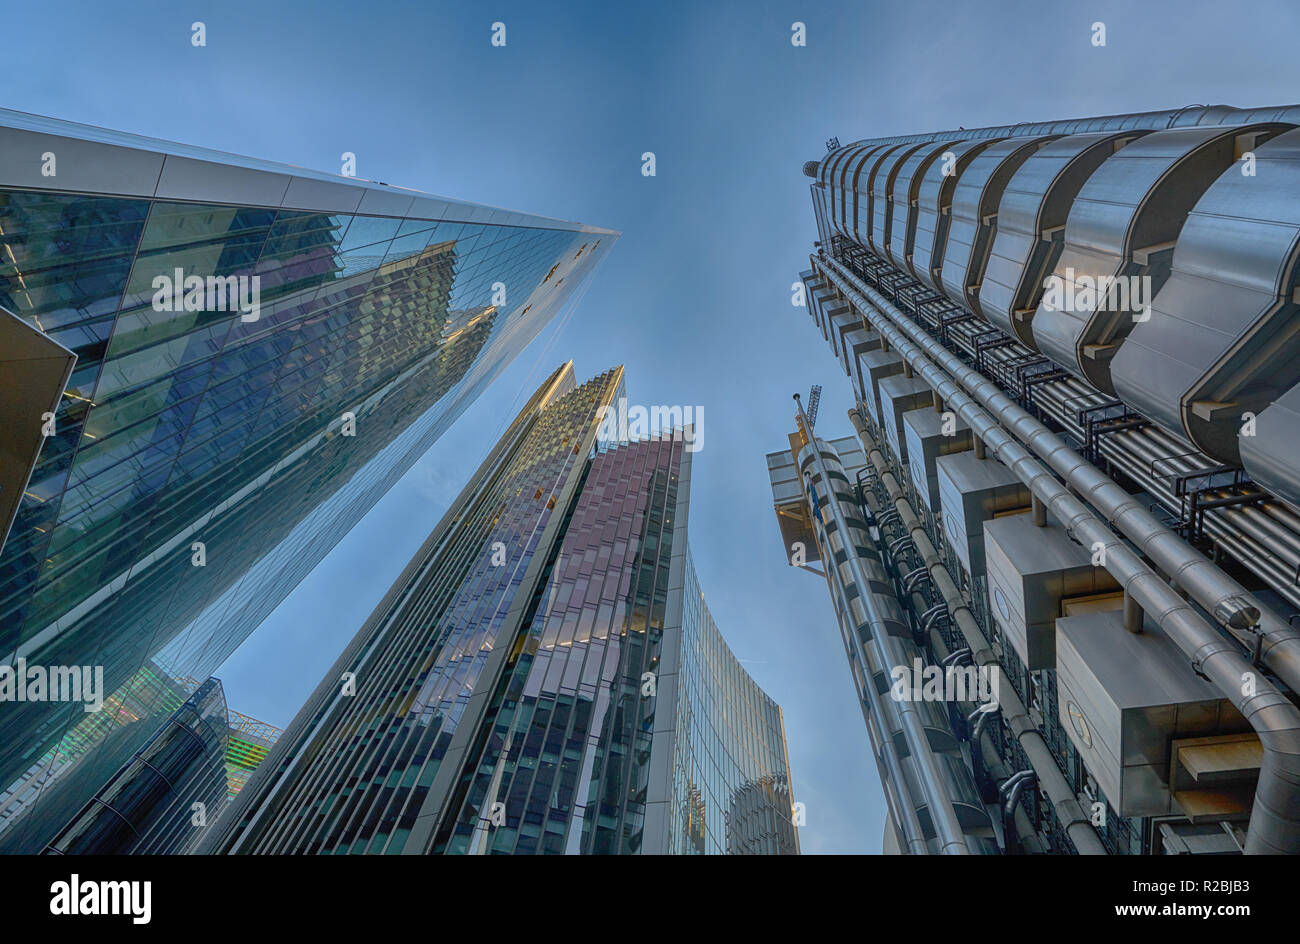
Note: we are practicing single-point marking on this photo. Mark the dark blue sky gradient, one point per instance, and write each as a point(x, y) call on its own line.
point(695, 298)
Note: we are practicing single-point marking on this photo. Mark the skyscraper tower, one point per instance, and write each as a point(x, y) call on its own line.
point(174, 787)
point(153, 805)
point(544, 677)
point(260, 352)
point(1074, 480)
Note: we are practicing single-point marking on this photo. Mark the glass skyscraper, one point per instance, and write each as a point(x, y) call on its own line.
point(157, 802)
point(261, 351)
point(544, 677)
point(175, 786)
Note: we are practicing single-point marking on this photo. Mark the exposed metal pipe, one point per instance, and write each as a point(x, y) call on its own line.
point(1229, 602)
point(1013, 794)
point(902, 810)
point(955, 657)
point(1064, 802)
point(1277, 560)
point(1132, 613)
point(981, 722)
point(1039, 511)
point(933, 615)
point(948, 830)
point(881, 723)
point(1009, 793)
point(1275, 815)
point(1011, 781)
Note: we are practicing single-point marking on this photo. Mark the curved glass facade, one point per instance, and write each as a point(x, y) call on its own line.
point(543, 679)
point(731, 776)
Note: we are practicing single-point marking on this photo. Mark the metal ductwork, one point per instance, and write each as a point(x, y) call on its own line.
point(1230, 603)
point(1275, 816)
point(1016, 718)
point(975, 203)
point(1031, 217)
point(1221, 342)
point(925, 783)
point(1124, 225)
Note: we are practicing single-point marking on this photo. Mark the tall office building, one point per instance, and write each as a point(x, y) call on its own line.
point(155, 804)
point(176, 786)
point(544, 677)
point(260, 352)
point(1063, 541)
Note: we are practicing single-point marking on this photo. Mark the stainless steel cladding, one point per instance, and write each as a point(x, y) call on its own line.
point(1187, 116)
point(1111, 304)
point(1221, 339)
point(934, 209)
point(1272, 455)
point(882, 203)
point(974, 216)
point(873, 368)
point(930, 792)
point(971, 491)
point(898, 394)
point(875, 166)
point(1031, 569)
point(857, 342)
point(904, 197)
point(929, 435)
point(1123, 226)
point(1031, 224)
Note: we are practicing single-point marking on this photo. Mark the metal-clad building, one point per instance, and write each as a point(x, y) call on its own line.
point(1095, 505)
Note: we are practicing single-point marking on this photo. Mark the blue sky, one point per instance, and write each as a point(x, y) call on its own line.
point(695, 298)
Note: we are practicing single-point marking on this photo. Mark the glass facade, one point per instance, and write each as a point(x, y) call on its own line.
point(61, 779)
point(161, 801)
point(378, 750)
point(544, 678)
point(248, 741)
point(566, 747)
point(731, 786)
point(253, 444)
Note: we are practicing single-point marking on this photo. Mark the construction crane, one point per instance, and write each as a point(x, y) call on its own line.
point(814, 398)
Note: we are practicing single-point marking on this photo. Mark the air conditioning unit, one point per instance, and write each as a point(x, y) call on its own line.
point(930, 434)
point(1125, 699)
point(971, 491)
point(1030, 570)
